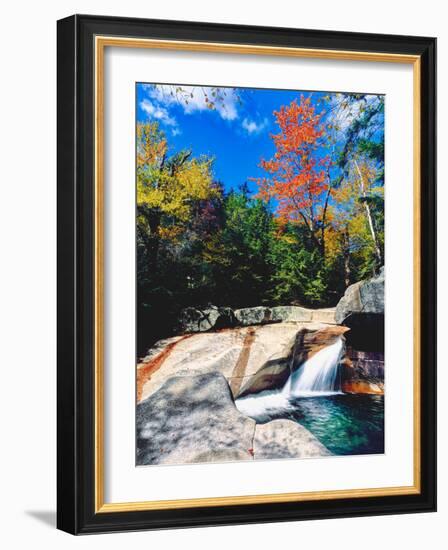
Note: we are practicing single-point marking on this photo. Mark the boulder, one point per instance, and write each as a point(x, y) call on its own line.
point(280, 314)
point(291, 313)
point(286, 439)
point(194, 319)
point(362, 297)
point(192, 419)
point(253, 316)
point(362, 310)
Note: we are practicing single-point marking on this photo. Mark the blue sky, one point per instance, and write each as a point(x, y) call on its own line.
point(236, 133)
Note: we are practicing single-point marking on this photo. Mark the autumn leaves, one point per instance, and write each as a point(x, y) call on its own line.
point(313, 224)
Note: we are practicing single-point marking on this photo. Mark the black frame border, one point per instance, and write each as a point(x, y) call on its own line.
point(76, 262)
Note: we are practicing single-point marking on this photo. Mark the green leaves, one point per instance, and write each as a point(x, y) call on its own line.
point(197, 244)
point(298, 271)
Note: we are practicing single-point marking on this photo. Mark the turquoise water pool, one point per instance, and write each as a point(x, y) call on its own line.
point(346, 424)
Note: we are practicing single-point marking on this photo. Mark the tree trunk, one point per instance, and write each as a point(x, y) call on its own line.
point(310, 227)
point(324, 216)
point(151, 238)
point(369, 215)
point(347, 272)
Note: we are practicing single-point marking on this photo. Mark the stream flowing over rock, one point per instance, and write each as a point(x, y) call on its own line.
point(235, 353)
point(273, 374)
point(187, 384)
point(251, 359)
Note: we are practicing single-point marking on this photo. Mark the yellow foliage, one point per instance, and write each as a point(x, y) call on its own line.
point(170, 186)
point(347, 222)
point(151, 144)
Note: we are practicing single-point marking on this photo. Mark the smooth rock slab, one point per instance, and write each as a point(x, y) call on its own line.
point(223, 352)
point(286, 439)
point(192, 419)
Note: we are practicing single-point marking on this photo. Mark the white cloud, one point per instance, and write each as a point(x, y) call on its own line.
point(195, 98)
point(157, 112)
point(253, 127)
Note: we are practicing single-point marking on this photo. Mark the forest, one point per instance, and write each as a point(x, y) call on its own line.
point(298, 234)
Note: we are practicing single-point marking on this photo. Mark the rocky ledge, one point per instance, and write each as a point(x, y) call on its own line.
point(251, 359)
point(193, 419)
point(209, 318)
point(187, 384)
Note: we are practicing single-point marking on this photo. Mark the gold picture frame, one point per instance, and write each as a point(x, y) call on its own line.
point(92, 31)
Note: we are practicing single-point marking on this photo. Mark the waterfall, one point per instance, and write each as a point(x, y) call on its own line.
point(318, 374)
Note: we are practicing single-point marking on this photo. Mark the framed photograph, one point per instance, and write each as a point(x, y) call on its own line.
point(246, 274)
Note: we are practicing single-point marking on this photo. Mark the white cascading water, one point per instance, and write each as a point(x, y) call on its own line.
point(316, 377)
point(318, 374)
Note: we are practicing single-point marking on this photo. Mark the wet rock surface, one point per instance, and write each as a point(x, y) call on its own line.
point(276, 371)
point(363, 372)
point(236, 353)
point(187, 384)
point(252, 359)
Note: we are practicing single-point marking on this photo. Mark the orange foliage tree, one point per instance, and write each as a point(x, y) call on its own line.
point(298, 174)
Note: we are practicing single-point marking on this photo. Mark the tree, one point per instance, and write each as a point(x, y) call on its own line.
point(171, 190)
point(237, 254)
point(167, 187)
point(350, 232)
point(362, 158)
point(298, 270)
point(298, 180)
point(315, 225)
